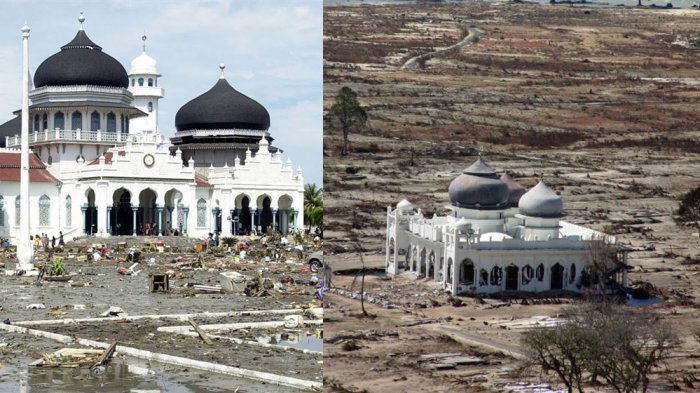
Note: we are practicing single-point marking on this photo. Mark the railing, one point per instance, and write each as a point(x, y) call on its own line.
point(71, 136)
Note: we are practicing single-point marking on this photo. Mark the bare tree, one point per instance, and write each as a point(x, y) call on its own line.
point(348, 113)
point(602, 340)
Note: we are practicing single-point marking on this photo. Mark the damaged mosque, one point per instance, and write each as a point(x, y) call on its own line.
point(498, 237)
point(99, 164)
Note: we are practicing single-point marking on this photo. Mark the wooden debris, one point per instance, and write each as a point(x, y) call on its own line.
point(105, 355)
point(199, 331)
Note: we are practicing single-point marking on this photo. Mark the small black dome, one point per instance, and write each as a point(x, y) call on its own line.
point(222, 107)
point(81, 62)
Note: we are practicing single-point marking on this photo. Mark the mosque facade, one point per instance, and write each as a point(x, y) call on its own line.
point(500, 237)
point(100, 166)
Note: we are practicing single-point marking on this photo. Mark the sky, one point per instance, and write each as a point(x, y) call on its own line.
point(272, 50)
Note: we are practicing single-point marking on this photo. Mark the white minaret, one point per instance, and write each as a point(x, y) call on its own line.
point(24, 248)
point(143, 84)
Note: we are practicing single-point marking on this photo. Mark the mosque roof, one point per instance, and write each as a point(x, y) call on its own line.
point(542, 202)
point(81, 62)
point(515, 189)
point(478, 187)
point(222, 107)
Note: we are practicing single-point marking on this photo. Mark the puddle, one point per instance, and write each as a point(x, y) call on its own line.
point(118, 377)
point(300, 340)
point(644, 302)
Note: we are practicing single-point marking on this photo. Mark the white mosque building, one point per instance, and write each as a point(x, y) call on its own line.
point(498, 237)
point(99, 164)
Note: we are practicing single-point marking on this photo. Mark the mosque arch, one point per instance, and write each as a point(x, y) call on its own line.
point(441, 269)
point(539, 272)
point(37, 127)
point(423, 261)
point(44, 122)
point(528, 273)
point(243, 212)
point(146, 215)
point(556, 276)
point(264, 212)
point(483, 278)
point(512, 277)
point(122, 215)
point(150, 82)
point(202, 213)
point(140, 81)
point(407, 264)
point(431, 264)
point(414, 263)
point(392, 245)
point(466, 272)
point(449, 270)
point(172, 215)
point(284, 212)
point(496, 276)
point(572, 273)
point(89, 212)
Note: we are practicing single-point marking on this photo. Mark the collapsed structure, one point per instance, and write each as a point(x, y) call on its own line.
point(500, 237)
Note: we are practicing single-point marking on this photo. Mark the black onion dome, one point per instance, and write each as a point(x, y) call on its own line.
point(478, 187)
point(222, 107)
point(81, 62)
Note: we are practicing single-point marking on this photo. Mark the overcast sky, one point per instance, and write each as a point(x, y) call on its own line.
point(272, 50)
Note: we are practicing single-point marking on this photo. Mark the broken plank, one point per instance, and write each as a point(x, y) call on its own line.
point(199, 331)
point(106, 355)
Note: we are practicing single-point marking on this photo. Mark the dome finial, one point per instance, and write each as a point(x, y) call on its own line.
point(143, 38)
point(81, 19)
point(222, 66)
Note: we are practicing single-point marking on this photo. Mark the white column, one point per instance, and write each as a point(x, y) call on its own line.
point(24, 249)
point(101, 204)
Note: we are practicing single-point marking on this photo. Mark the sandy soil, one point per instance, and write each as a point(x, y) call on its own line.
point(599, 102)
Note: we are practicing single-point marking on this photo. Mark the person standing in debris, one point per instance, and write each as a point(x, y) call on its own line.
point(45, 241)
point(148, 229)
point(37, 242)
point(216, 239)
point(61, 243)
point(53, 241)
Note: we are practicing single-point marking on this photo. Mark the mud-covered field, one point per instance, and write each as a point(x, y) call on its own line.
point(599, 102)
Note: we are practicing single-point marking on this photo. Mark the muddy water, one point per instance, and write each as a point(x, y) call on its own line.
point(106, 288)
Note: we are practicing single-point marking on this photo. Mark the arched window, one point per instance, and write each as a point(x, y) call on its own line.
point(539, 272)
point(18, 203)
point(133, 82)
point(483, 277)
point(467, 272)
point(496, 275)
point(201, 213)
point(95, 121)
point(76, 120)
point(150, 106)
point(572, 273)
point(2, 211)
point(36, 123)
point(111, 122)
point(44, 210)
point(59, 121)
point(140, 81)
point(69, 211)
point(528, 273)
point(150, 82)
point(44, 122)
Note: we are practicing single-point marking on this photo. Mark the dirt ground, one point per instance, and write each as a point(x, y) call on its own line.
point(97, 286)
point(599, 102)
